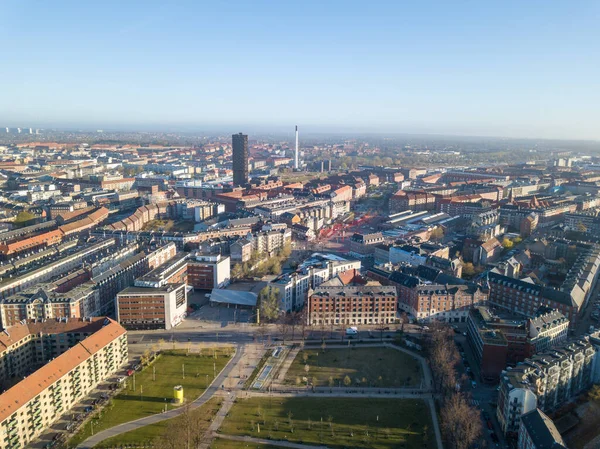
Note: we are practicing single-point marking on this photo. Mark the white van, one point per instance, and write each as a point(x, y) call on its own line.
point(351, 330)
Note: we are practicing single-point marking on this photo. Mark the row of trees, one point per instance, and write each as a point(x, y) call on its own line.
point(460, 421)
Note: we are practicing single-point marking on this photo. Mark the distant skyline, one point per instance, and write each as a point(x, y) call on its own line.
point(505, 69)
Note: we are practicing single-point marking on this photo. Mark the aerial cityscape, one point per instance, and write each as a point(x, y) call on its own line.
point(323, 225)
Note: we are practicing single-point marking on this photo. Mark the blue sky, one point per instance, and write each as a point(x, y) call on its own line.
point(505, 68)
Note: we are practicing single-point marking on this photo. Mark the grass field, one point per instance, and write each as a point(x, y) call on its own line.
point(145, 435)
point(169, 225)
point(222, 443)
point(334, 422)
point(151, 396)
point(377, 367)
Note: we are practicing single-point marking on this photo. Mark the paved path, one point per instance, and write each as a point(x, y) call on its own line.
point(219, 418)
point(152, 419)
point(325, 394)
point(286, 366)
point(436, 424)
point(270, 442)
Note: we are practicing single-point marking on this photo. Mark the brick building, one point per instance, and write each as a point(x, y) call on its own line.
point(152, 307)
point(351, 305)
point(208, 271)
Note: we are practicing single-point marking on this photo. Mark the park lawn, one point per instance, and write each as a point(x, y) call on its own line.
point(169, 225)
point(363, 366)
point(222, 443)
point(334, 422)
point(145, 435)
point(149, 396)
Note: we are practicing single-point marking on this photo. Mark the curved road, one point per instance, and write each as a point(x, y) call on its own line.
point(152, 419)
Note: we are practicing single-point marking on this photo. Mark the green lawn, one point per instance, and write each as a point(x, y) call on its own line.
point(169, 225)
point(334, 422)
point(222, 443)
point(376, 367)
point(145, 435)
point(149, 395)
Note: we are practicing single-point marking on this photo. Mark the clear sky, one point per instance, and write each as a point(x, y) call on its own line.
point(523, 68)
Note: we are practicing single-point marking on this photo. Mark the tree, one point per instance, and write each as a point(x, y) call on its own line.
point(437, 233)
point(293, 322)
point(24, 218)
point(461, 425)
point(581, 227)
point(237, 271)
point(347, 381)
point(507, 243)
point(594, 393)
point(283, 328)
point(403, 321)
point(275, 267)
point(468, 269)
point(303, 316)
point(268, 303)
point(286, 251)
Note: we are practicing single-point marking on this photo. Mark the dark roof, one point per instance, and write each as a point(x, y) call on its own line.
point(542, 430)
point(404, 279)
point(546, 292)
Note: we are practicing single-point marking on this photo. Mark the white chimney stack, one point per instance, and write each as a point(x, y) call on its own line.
point(296, 165)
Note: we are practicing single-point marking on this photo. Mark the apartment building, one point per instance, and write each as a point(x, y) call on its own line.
point(152, 307)
point(411, 200)
point(208, 271)
point(364, 244)
point(352, 305)
point(442, 297)
point(547, 329)
point(526, 298)
point(537, 431)
point(500, 338)
point(62, 265)
point(173, 271)
point(547, 381)
point(293, 290)
point(65, 360)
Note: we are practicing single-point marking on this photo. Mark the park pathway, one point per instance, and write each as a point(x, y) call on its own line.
point(286, 366)
point(270, 442)
point(153, 419)
point(211, 432)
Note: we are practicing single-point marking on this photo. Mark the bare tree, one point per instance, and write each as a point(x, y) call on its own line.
point(293, 321)
point(303, 322)
point(403, 321)
point(283, 327)
point(460, 422)
point(443, 357)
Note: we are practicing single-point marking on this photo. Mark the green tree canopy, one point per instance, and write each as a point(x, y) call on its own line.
point(268, 303)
